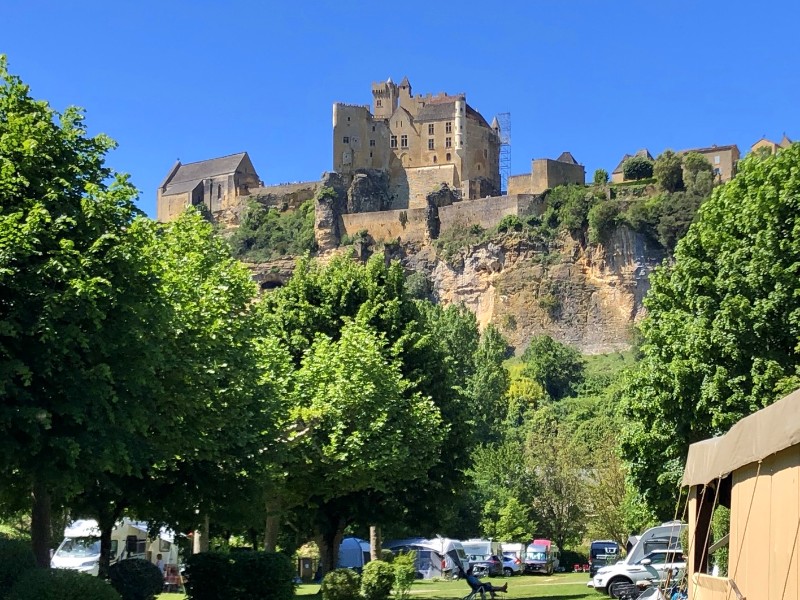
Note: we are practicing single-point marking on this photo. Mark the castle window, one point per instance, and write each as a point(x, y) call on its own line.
point(479, 168)
point(485, 153)
point(448, 142)
point(373, 128)
point(346, 140)
point(404, 141)
point(448, 157)
point(716, 160)
point(378, 103)
point(434, 158)
point(448, 127)
point(393, 141)
point(372, 143)
point(219, 191)
point(348, 119)
point(370, 154)
point(430, 143)
point(430, 129)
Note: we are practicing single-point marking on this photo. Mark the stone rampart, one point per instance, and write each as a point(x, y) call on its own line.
point(423, 180)
point(488, 212)
point(405, 225)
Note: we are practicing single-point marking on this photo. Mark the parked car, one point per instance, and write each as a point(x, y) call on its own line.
point(655, 566)
point(486, 565)
point(512, 564)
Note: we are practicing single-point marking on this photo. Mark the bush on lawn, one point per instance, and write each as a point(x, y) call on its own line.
point(16, 558)
point(61, 584)
point(239, 576)
point(405, 572)
point(136, 579)
point(569, 558)
point(377, 580)
point(341, 584)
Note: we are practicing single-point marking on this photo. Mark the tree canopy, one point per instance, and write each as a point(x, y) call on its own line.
point(721, 337)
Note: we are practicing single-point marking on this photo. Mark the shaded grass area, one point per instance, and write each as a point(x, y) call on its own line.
point(566, 586)
point(560, 586)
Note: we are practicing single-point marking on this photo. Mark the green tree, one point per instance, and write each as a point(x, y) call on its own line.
point(487, 386)
point(720, 339)
point(693, 166)
point(637, 167)
point(556, 366)
point(603, 221)
point(600, 177)
point(79, 331)
point(667, 171)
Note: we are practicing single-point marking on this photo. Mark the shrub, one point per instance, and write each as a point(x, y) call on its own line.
point(265, 233)
point(405, 573)
point(667, 171)
point(417, 286)
point(209, 575)
point(637, 167)
point(61, 584)
point(509, 223)
point(16, 558)
point(136, 579)
point(387, 556)
point(550, 304)
point(571, 557)
point(240, 576)
point(603, 220)
point(377, 580)
point(600, 177)
point(341, 584)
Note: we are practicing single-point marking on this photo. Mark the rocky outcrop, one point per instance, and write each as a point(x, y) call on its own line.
point(369, 191)
point(329, 203)
point(586, 297)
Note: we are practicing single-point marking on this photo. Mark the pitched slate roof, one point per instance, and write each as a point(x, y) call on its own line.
point(644, 153)
point(181, 187)
point(710, 149)
point(566, 157)
point(437, 111)
point(204, 169)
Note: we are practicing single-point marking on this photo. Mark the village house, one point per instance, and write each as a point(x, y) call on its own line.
point(765, 145)
point(547, 173)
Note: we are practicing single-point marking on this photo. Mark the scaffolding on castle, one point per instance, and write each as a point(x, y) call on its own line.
point(504, 121)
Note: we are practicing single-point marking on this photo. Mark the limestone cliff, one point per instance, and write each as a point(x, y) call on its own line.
point(588, 297)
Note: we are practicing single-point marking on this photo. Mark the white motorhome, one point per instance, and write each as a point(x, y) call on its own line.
point(353, 553)
point(478, 550)
point(80, 549)
point(434, 556)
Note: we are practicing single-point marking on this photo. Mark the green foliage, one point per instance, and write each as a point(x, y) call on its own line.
point(240, 576)
point(556, 366)
point(572, 557)
point(61, 584)
point(136, 579)
point(720, 527)
point(16, 558)
point(341, 584)
point(568, 207)
point(509, 223)
point(265, 233)
point(418, 286)
point(387, 556)
point(603, 221)
point(404, 574)
point(550, 304)
point(722, 327)
point(377, 580)
point(668, 172)
point(698, 174)
point(600, 177)
point(637, 167)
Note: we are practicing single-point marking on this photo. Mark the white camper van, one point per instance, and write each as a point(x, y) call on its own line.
point(353, 553)
point(434, 556)
point(80, 549)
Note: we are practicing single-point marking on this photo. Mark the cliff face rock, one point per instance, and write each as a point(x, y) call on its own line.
point(588, 297)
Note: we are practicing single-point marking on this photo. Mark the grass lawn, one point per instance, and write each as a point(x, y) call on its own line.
point(560, 586)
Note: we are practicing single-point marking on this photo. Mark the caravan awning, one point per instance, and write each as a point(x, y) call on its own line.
point(755, 437)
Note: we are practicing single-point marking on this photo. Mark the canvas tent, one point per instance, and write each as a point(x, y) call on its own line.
point(754, 469)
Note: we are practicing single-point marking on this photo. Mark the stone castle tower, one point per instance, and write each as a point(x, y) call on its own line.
point(420, 142)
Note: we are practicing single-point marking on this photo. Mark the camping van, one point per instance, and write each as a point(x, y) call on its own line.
point(353, 553)
point(477, 550)
point(80, 549)
point(541, 556)
point(435, 557)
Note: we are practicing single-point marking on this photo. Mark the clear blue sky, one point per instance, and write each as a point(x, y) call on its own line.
point(197, 79)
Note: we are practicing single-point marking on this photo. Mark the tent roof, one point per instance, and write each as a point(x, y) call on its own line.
point(754, 438)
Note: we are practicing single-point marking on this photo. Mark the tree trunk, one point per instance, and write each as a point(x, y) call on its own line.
point(200, 540)
point(328, 543)
point(105, 548)
point(40, 523)
point(375, 542)
point(273, 520)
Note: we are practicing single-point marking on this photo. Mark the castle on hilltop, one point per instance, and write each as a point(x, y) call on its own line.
point(419, 142)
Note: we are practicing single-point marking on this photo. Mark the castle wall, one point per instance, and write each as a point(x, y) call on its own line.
point(488, 212)
point(519, 184)
point(359, 141)
point(405, 225)
point(423, 180)
point(547, 173)
point(170, 207)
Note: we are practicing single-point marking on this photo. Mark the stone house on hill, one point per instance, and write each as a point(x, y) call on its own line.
point(547, 173)
point(617, 175)
point(217, 183)
point(723, 159)
point(765, 145)
point(419, 142)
